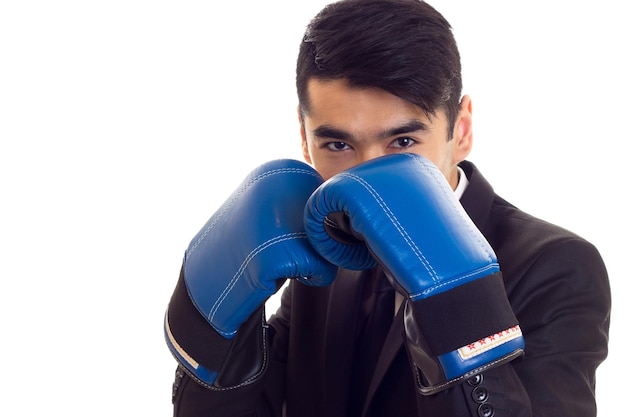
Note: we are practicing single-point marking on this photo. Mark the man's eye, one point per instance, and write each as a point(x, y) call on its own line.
point(337, 146)
point(403, 142)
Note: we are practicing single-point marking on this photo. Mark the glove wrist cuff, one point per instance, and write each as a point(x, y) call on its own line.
point(454, 335)
point(465, 314)
point(212, 360)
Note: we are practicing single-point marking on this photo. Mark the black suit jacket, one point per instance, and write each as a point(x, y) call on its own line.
point(556, 283)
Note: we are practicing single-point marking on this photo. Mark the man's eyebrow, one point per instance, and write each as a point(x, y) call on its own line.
point(329, 132)
point(411, 126)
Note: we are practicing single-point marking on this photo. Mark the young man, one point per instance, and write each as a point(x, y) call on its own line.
point(400, 305)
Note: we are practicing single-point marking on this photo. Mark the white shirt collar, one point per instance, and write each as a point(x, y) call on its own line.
point(462, 185)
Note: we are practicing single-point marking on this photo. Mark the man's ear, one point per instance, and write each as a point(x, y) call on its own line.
point(305, 147)
point(463, 133)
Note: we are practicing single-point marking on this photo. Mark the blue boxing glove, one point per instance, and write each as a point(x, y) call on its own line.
point(403, 215)
point(215, 325)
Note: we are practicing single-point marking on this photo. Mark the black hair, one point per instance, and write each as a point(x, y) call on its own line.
point(404, 47)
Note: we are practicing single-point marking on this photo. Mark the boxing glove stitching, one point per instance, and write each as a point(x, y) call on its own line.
point(438, 178)
point(396, 223)
point(236, 196)
point(450, 281)
point(244, 265)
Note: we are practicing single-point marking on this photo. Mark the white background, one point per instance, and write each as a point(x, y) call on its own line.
point(125, 124)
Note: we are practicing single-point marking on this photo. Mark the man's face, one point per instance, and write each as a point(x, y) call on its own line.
point(346, 126)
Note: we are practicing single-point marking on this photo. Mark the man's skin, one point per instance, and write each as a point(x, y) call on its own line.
point(346, 125)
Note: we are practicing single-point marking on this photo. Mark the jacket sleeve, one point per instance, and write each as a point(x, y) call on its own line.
point(563, 303)
point(253, 379)
point(562, 300)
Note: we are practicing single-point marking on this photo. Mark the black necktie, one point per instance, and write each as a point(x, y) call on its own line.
point(381, 296)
